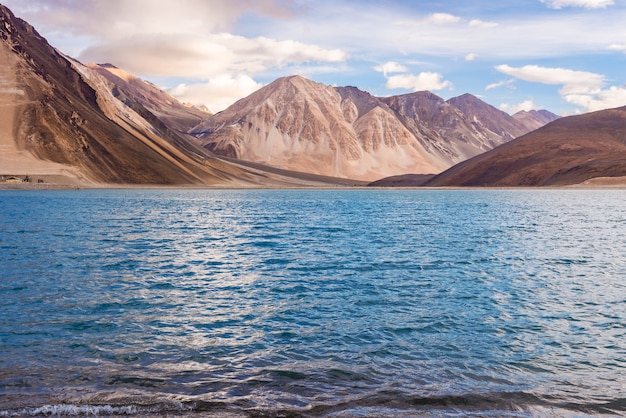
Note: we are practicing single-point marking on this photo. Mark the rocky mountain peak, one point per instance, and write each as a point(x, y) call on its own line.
point(124, 75)
point(495, 120)
point(467, 102)
point(422, 105)
point(15, 30)
point(535, 119)
point(362, 101)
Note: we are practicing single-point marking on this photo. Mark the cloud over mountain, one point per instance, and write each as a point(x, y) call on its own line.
point(415, 82)
point(582, 88)
point(420, 82)
point(572, 81)
point(189, 39)
point(196, 42)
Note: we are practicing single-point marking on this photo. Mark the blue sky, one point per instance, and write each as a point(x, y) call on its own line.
point(567, 56)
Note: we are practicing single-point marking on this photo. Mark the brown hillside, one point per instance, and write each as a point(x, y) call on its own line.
point(570, 150)
point(58, 119)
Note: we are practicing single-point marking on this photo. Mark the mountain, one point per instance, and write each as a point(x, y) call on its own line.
point(485, 118)
point(62, 119)
point(444, 128)
point(501, 123)
point(68, 123)
point(128, 89)
point(297, 124)
point(535, 119)
point(570, 150)
point(98, 124)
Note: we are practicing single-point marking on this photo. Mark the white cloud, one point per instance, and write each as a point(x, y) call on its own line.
point(185, 39)
point(409, 28)
point(420, 82)
point(390, 67)
point(581, 88)
point(574, 82)
point(605, 99)
point(195, 40)
point(535, 35)
point(443, 18)
point(587, 4)
point(512, 109)
point(121, 18)
point(502, 83)
point(423, 81)
point(202, 57)
point(217, 93)
point(471, 57)
point(477, 23)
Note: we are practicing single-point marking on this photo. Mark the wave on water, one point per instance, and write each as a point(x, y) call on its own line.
point(385, 404)
point(70, 410)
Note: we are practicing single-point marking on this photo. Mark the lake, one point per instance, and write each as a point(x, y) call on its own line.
point(330, 303)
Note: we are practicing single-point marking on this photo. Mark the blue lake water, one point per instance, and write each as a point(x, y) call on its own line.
point(332, 303)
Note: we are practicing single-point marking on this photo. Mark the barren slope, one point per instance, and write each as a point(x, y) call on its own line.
point(300, 125)
point(15, 159)
point(535, 119)
point(441, 127)
point(569, 150)
point(297, 124)
point(61, 118)
point(128, 88)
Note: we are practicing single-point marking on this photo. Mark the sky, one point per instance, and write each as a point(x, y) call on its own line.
point(567, 56)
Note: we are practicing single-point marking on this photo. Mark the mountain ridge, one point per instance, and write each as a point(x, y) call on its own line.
point(96, 123)
point(366, 137)
point(60, 104)
point(62, 120)
point(570, 150)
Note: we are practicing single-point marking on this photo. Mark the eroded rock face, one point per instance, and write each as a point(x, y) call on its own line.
point(300, 125)
point(297, 124)
point(128, 88)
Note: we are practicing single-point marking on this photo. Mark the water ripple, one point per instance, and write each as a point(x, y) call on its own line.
point(329, 303)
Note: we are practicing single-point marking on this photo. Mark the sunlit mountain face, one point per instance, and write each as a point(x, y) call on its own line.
point(297, 124)
point(97, 123)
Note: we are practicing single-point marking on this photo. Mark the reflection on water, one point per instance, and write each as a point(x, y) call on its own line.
point(316, 302)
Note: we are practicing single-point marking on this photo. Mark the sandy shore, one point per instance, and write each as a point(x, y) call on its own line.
point(600, 185)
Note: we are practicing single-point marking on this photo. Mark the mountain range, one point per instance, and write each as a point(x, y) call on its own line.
point(97, 124)
point(297, 124)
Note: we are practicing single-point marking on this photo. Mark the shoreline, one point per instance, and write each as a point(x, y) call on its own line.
point(25, 186)
point(65, 182)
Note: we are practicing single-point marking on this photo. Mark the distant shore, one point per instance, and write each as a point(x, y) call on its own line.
point(60, 186)
point(61, 182)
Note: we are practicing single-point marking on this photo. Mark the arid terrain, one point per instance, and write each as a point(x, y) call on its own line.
point(584, 149)
point(64, 123)
point(297, 124)
point(70, 124)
